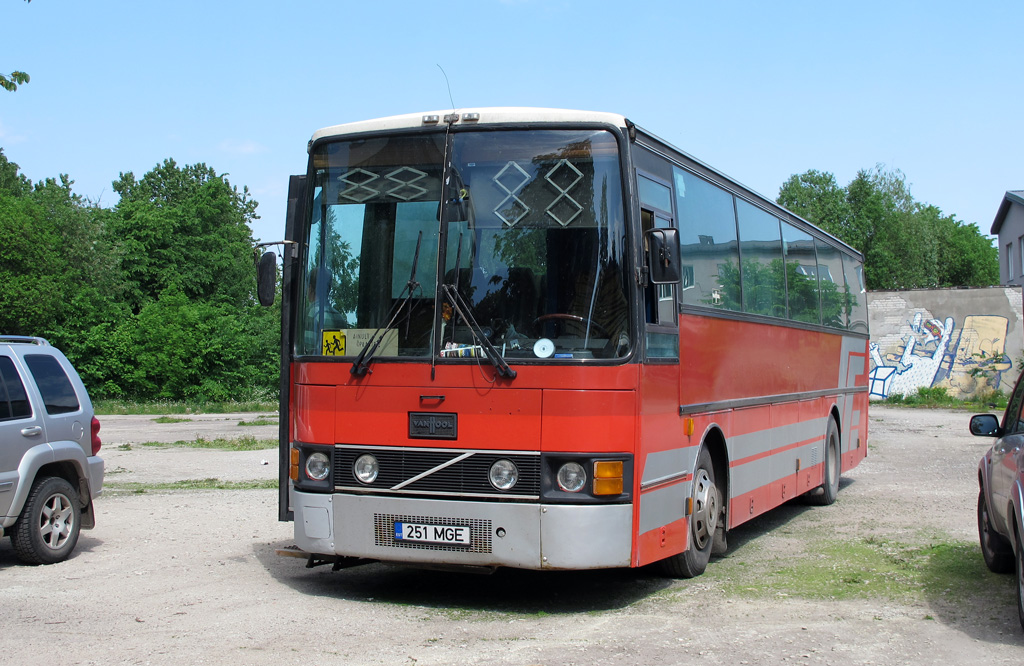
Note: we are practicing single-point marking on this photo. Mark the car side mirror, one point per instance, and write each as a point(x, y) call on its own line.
point(663, 256)
point(266, 278)
point(985, 425)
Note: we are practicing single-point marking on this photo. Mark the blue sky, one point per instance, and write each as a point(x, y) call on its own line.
point(758, 90)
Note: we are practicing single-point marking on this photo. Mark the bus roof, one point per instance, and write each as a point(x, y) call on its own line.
point(484, 116)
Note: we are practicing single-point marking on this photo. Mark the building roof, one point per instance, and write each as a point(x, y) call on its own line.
point(1012, 197)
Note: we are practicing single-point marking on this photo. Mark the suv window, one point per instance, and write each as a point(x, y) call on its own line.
point(13, 399)
point(58, 394)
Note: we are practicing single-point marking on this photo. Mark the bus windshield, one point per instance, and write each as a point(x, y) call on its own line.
point(524, 232)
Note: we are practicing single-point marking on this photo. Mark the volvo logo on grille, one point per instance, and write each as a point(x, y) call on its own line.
point(432, 425)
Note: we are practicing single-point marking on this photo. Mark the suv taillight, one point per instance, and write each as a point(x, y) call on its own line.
point(95, 435)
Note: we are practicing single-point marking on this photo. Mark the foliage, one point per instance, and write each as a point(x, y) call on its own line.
point(153, 299)
point(12, 81)
point(56, 267)
point(15, 79)
point(906, 244)
point(184, 228)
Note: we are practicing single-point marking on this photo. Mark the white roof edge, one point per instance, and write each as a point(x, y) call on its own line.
point(488, 116)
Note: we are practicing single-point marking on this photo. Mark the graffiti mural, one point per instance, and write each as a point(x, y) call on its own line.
point(966, 360)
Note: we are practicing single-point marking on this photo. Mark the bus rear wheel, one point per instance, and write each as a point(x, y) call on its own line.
point(707, 508)
point(827, 492)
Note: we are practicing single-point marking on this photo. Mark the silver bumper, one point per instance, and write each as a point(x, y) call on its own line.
point(525, 536)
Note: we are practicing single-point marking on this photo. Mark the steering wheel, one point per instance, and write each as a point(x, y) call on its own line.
point(561, 316)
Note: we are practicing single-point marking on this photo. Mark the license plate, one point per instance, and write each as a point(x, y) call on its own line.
point(450, 534)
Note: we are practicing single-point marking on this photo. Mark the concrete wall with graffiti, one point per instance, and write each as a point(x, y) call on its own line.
point(968, 341)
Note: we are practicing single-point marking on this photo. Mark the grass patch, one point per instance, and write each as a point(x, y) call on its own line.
point(158, 407)
point(139, 488)
point(258, 422)
point(171, 419)
point(868, 568)
point(937, 397)
point(237, 444)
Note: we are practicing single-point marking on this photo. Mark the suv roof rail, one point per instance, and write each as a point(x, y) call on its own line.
point(25, 339)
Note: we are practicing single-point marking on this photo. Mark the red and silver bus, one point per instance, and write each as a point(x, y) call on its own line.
point(548, 339)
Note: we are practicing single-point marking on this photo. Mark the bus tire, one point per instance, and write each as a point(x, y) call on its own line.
point(826, 493)
point(707, 509)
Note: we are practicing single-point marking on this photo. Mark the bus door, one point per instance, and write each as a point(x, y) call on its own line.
point(663, 463)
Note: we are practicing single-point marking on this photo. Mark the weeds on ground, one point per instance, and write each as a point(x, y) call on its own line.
point(866, 568)
point(139, 488)
point(157, 407)
point(938, 397)
point(245, 443)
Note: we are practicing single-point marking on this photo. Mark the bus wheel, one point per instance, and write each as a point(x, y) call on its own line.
point(707, 507)
point(826, 493)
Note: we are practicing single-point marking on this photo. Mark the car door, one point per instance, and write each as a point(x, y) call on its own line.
point(1003, 466)
point(21, 427)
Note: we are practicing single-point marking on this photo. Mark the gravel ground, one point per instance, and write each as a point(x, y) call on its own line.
point(172, 577)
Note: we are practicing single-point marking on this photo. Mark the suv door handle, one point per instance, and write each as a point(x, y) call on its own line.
point(32, 431)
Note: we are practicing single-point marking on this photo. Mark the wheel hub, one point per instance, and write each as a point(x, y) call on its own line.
point(705, 509)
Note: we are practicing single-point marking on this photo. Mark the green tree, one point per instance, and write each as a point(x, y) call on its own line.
point(816, 196)
point(56, 272)
point(151, 299)
point(906, 244)
point(184, 228)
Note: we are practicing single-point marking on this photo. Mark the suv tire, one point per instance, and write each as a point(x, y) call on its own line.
point(47, 529)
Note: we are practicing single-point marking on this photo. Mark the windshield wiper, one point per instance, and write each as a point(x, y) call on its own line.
point(362, 363)
point(463, 310)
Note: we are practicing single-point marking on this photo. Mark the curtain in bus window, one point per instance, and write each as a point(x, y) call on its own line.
point(857, 293)
point(764, 282)
point(707, 232)
point(834, 294)
point(801, 275)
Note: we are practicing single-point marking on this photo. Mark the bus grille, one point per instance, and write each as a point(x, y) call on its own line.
point(384, 533)
point(467, 477)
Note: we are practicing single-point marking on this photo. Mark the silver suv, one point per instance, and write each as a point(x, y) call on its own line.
point(49, 438)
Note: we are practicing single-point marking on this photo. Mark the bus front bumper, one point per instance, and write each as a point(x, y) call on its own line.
point(524, 536)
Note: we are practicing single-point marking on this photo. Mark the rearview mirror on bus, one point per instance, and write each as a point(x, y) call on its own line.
point(663, 256)
point(266, 278)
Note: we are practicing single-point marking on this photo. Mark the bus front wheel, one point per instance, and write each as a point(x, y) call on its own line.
point(707, 508)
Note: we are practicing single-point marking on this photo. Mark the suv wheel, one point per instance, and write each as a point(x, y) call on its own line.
point(47, 529)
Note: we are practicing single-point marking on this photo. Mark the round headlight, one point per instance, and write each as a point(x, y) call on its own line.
point(318, 466)
point(571, 477)
point(366, 468)
point(503, 474)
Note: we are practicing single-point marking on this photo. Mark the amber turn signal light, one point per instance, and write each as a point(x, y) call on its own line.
point(608, 477)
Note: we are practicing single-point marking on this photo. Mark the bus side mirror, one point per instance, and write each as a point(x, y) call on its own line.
point(663, 256)
point(266, 278)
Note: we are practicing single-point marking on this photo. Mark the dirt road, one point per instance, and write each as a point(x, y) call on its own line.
point(188, 577)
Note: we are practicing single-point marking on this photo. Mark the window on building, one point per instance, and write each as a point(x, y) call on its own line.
point(1020, 248)
point(1009, 261)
